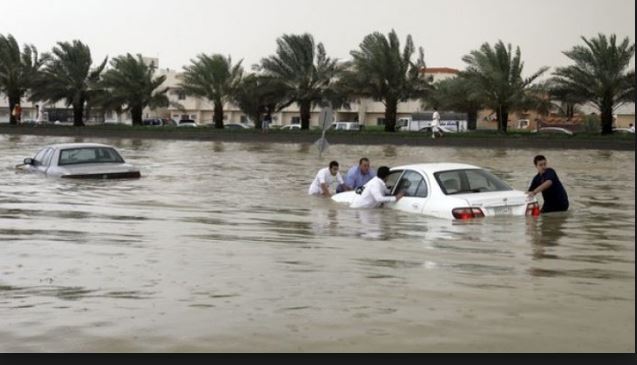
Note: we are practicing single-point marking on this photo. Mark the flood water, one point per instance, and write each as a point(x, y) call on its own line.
point(218, 248)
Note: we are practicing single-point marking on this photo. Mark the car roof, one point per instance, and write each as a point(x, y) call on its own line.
point(432, 168)
point(77, 145)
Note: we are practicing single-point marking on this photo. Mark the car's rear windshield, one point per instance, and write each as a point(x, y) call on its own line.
point(469, 181)
point(87, 155)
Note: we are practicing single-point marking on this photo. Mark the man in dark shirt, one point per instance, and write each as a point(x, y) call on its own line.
point(547, 183)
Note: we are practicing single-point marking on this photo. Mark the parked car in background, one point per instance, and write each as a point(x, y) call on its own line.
point(447, 126)
point(346, 126)
point(187, 123)
point(155, 122)
point(80, 161)
point(553, 130)
point(60, 123)
point(290, 127)
point(624, 130)
point(452, 191)
point(235, 126)
point(118, 122)
point(168, 122)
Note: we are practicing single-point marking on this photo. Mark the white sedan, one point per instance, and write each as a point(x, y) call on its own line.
point(291, 127)
point(453, 191)
point(80, 161)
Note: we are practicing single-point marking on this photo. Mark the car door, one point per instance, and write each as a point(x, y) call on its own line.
point(416, 190)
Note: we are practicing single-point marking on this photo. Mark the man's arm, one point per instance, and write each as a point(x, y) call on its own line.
point(545, 185)
point(380, 197)
point(325, 189)
point(549, 176)
point(350, 181)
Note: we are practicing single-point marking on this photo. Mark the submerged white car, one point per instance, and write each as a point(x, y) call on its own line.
point(453, 191)
point(80, 161)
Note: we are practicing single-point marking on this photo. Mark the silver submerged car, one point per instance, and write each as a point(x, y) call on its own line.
point(80, 161)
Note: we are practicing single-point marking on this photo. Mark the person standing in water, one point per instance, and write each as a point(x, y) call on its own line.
point(547, 183)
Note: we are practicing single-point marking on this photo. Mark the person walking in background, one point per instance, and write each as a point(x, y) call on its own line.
point(375, 192)
point(265, 125)
point(327, 180)
point(39, 115)
point(435, 124)
point(17, 113)
point(547, 183)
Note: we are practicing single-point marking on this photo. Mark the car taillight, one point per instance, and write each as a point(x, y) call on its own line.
point(467, 213)
point(533, 209)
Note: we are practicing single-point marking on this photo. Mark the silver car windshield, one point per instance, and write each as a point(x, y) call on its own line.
point(469, 181)
point(89, 155)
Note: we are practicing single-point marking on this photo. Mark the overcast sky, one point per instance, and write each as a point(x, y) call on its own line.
point(176, 31)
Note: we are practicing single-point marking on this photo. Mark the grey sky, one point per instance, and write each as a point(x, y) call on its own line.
point(177, 30)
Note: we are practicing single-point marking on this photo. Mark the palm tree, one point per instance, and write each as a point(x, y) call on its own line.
point(18, 69)
point(455, 94)
point(130, 86)
point(69, 77)
point(381, 70)
point(600, 75)
point(258, 95)
point(495, 78)
point(304, 70)
point(214, 78)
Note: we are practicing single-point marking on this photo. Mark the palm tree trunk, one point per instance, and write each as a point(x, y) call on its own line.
point(391, 107)
point(218, 114)
point(503, 119)
point(136, 114)
point(607, 116)
point(472, 120)
point(12, 102)
point(258, 124)
point(78, 114)
point(305, 114)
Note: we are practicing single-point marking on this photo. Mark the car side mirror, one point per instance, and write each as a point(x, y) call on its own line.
point(28, 161)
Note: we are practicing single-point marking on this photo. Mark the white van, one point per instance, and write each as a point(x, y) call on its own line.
point(346, 126)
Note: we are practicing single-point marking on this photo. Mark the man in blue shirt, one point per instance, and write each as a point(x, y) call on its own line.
point(358, 175)
point(547, 183)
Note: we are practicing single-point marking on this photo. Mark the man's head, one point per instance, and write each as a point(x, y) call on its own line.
point(540, 163)
point(383, 172)
point(333, 167)
point(363, 165)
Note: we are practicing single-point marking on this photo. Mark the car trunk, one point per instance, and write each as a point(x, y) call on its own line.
point(498, 203)
point(101, 171)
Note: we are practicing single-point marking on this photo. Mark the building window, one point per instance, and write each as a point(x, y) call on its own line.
point(244, 119)
point(296, 120)
point(193, 116)
point(181, 95)
point(380, 121)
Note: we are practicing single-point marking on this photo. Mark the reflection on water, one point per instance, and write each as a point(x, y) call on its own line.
point(389, 151)
point(218, 248)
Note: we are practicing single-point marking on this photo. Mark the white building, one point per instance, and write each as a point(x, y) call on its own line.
point(365, 111)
